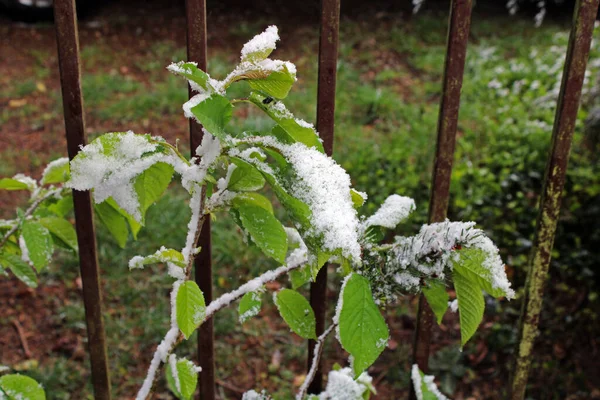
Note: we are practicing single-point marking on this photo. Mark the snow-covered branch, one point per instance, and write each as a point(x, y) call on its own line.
point(315, 362)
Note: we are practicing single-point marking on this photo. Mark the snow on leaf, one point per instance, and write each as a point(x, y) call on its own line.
point(261, 45)
point(56, 171)
point(249, 306)
point(111, 163)
point(18, 182)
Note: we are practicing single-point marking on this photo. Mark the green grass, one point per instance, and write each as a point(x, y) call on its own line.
point(386, 118)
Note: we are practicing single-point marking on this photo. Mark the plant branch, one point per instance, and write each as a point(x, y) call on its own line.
point(315, 362)
point(28, 212)
point(216, 305)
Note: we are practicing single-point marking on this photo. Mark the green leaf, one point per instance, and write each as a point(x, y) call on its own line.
point(134, 226)
point(357, 199)
point(62, 230)
point(187, 377)
point(21, 387)
point(254, 199)
point(471, 305)
point(62, 206)
point(277, 84)
point(301, 276)
point(191, 72)
point(190, 307)
point(362, 330)
point(20, 268)
point(470, 265)
point(56, 172)
point(114, 222)
point(437, 297)
point(214, 113)
point(38, 242)
point(296, 312)
point(278, 113)
point(264, 229)
point(151, 184)
point(245, 177)
point(12, 184)
point(249, 306)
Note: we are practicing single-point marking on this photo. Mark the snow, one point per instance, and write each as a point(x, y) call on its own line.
point(338, 307)
point(453, 305)
point(299, 255)
point(24, 251)
point(254, 395)
point(342, 386)
point(193, 102)
point(304, 124)
point(415, 375)
point(394, 210)
point(261, 43)
point(174, 371)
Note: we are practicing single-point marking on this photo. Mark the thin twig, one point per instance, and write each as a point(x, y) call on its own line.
point(229, 386)
point(315, 362)
point(22, 337)
point(28, 212)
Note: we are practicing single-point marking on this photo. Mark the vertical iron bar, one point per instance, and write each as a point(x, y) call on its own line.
point(556, 168)
point(458, 34)
point(197, 52)
point(328, 53)
point(65, 18)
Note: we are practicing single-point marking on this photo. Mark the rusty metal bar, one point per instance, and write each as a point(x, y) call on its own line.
point(556, 170)
point(197, 52)
point(328, 54)
point(458, 35)
point(65, 18)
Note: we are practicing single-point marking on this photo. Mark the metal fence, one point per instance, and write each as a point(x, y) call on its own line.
point(458, 34)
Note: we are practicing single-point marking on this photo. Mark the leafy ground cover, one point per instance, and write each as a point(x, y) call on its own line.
point(388, 92)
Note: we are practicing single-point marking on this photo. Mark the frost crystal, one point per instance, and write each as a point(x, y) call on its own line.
point(432, 249)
